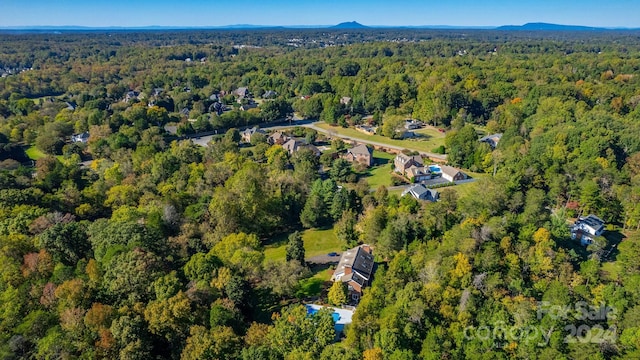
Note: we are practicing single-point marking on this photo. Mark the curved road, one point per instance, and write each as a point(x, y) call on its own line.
point(375, 143)
point(204, 140)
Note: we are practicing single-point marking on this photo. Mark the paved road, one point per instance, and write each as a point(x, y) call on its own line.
point(204, 140)
point(375, 143)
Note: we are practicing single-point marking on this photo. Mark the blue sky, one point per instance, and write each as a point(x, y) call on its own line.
point(613, 13)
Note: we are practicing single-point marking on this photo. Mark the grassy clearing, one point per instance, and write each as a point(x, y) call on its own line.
point(427, 143)
point(380, 174)
point(314, 285)
point(34, 153)
point(316, 242)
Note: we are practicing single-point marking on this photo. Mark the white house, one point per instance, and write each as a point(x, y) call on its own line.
point(587, 229)
point(81, 138)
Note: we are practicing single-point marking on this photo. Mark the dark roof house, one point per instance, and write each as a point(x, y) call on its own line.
point(269, 94)
point(492, 140)
point(355, 268)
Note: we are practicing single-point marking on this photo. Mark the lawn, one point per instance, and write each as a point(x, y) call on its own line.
point(380, 174)
point(432, 138)
point(316, 242)
point(34, 153)
point(314, 285)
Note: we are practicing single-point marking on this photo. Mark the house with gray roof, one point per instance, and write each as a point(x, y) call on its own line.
point(293, 146)
point(402, 162)
point(248, 133)
point(492, 140)
point(420, 192)
point(277, 138)
point(355, 269)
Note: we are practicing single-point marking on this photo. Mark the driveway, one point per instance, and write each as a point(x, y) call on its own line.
point(324, 259)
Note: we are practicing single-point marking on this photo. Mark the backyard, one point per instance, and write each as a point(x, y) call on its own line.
point(380, 173)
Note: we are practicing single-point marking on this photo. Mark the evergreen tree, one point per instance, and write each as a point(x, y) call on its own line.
point(295, 248)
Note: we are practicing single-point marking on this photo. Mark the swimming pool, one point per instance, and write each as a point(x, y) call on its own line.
point(435, 169)
point(312, 311)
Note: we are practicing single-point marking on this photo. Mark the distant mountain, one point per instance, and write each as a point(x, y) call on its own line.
point(550, 27)
point(349, 25)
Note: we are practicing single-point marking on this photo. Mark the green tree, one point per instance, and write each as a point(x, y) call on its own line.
point(337, 293)
point(67, 242)
point(295, 248)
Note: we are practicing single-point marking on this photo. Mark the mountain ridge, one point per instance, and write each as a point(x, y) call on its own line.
point(352, 25)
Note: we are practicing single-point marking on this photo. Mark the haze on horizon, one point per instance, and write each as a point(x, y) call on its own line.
point(202, 13)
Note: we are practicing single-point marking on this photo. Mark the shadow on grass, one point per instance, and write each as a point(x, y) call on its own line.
point(276, 240)
point(310, 287)
point(614, 238)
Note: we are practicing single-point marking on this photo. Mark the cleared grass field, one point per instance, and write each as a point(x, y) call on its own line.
point(316, 242)
point(34, 153)
point(430, 140)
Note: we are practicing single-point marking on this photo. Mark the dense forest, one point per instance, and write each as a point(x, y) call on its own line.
point(140, 244)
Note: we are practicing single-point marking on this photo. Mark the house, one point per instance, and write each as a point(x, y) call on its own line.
point(406, 134)
point(81, 138)
point(270, 94)
point(452, 174)
point(185, 111)
point(241, 92)
point(587, 229)
point(131, 95)
point(413, 124)
point(355, 269)
point(277, 138)
point(369, 130)
point(402, 162)
point(293, 146)
point(345, 100)
point(492, 140)
point(360, 153)
point(418, 173)
point(248, 133)
point(248, 106)
point(420, 192)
